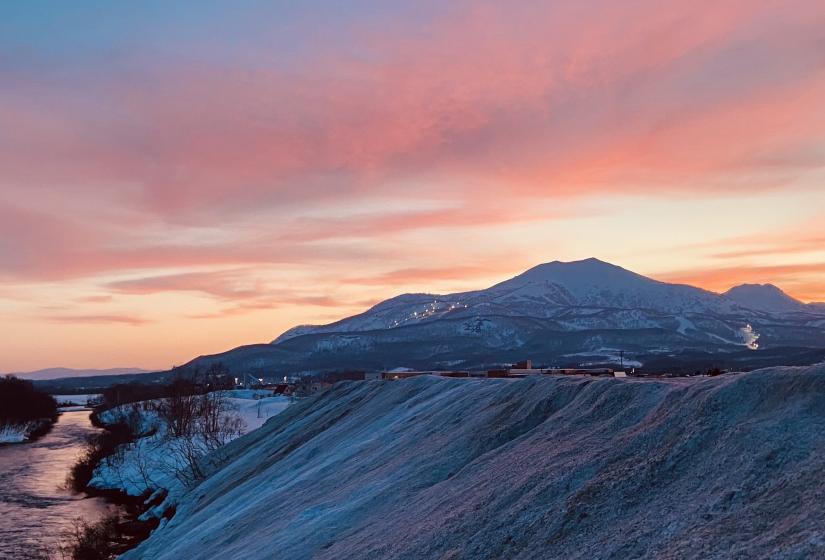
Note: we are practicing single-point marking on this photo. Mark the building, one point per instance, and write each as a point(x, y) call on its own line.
point(524, 368)
point(394, 375)
point(281, 388)
point(453, 373)
point(579, 371)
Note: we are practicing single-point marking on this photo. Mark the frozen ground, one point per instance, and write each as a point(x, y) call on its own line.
point(542, 467)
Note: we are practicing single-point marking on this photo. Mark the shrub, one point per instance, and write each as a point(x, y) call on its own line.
point(96, 448)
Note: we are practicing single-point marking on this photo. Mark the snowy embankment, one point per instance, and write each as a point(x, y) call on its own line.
point(542, 467)
point(154, 460)
point(18, 433)
point(22, 432)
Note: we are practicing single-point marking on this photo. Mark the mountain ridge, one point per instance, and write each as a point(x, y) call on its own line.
point(568, 314)
point(64, 372)
point(575, 284)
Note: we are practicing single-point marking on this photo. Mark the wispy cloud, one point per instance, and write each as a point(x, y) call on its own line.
point(98, 319)
point(427, 276)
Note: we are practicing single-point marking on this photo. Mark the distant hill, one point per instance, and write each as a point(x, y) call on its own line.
point(97, 383)
point(61, 373)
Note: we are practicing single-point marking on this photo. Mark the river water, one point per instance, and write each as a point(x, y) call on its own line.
point(35, 509)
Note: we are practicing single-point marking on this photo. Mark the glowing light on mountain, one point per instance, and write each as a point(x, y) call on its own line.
point(750, 337)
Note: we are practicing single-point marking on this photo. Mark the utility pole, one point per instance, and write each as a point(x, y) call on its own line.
point(621, 358)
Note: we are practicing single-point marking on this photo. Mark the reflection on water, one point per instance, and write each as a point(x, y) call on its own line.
point(34, 506)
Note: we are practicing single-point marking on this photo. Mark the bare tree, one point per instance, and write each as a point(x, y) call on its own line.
point(197, 424)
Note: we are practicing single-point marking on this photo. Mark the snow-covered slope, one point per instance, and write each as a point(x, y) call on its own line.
point(766, 297)
point(561, 467)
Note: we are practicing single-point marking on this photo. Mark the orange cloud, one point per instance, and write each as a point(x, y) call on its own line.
point(98, 319)
point(430, 276)
point(803, 281)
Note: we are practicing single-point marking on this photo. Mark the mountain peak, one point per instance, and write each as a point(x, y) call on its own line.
point(590, 262)
point(586, 272)
point(764, 297)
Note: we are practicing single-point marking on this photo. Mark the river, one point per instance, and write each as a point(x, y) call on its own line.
point(35, 509)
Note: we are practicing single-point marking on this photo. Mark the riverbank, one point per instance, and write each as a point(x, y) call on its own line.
point(113, 535)
point(136, 463)
point(122, 529)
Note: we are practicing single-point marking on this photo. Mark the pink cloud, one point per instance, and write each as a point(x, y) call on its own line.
point(544, 99)
point(232, 284)
point(242, 289)
point(103, 298)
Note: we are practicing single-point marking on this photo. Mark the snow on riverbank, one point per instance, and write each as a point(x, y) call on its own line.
point(542, 467)
point(76, 400)
point(16, 433)
point(153, 461)
point(22, 432)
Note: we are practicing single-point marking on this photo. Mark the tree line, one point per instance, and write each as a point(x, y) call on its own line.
point(20, 402)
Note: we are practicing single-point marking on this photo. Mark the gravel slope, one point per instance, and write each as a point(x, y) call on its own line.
point(573, 468)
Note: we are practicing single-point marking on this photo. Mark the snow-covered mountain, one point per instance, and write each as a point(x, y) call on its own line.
point(575, 293)
point(584, 295)
point(558, 313)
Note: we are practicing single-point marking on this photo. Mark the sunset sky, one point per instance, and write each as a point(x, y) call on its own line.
point(179, 178)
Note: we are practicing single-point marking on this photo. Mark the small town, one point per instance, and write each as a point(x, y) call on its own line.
point(301, 386)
